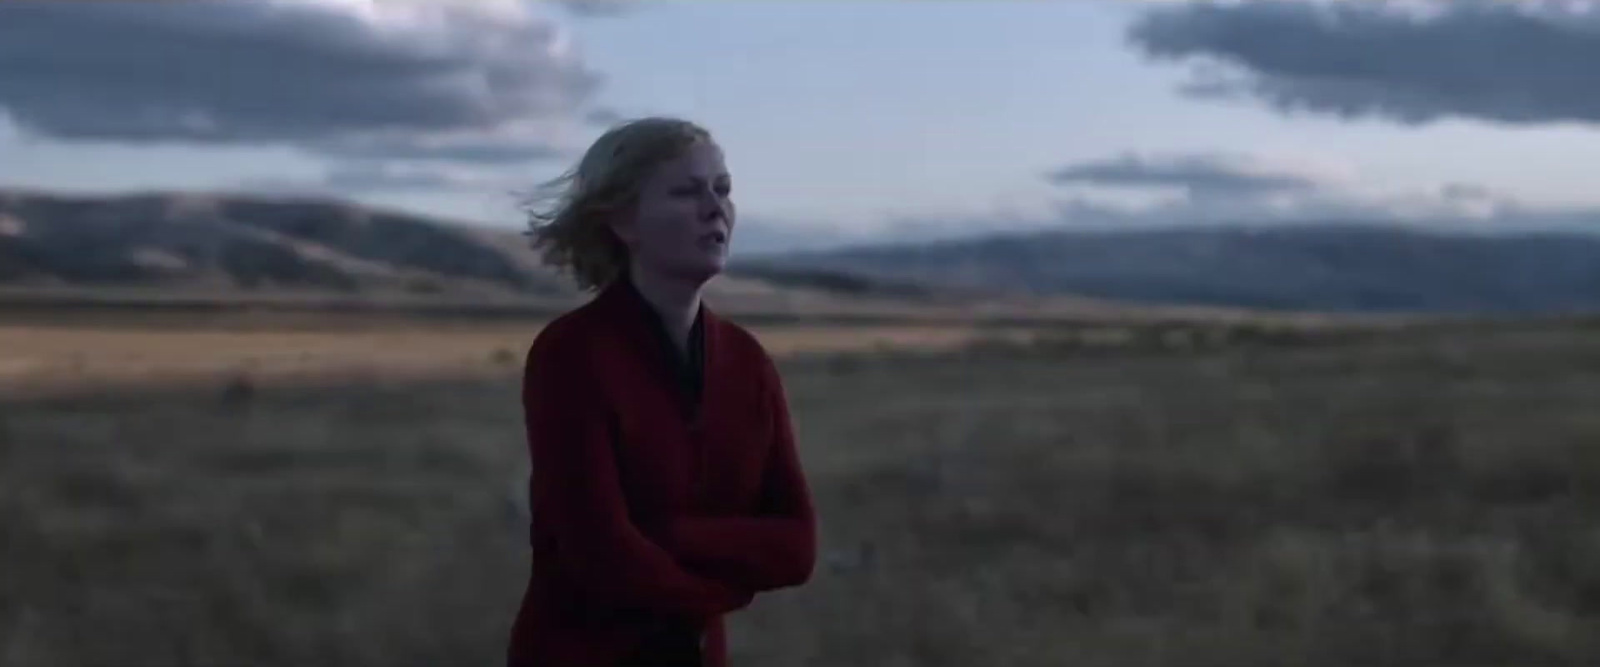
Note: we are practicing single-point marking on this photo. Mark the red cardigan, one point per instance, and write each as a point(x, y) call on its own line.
point(643, 514)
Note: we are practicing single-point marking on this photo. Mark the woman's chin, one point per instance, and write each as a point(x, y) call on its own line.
point(712, 271)
point(714, 262)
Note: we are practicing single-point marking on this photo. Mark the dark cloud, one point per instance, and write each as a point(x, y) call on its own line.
point(1526, 61)
point(1214, 174)
point(488, 79)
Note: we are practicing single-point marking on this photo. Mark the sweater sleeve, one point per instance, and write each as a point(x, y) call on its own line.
point(776, 547)
point(577, 498)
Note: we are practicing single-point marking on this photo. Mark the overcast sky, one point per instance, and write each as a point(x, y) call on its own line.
point(838, 117)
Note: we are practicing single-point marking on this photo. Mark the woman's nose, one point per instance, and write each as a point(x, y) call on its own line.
point(711, 207)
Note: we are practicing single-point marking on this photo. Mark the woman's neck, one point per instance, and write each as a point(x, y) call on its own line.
point(676, 301)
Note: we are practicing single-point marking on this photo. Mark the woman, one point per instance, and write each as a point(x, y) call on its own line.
point(666, 491)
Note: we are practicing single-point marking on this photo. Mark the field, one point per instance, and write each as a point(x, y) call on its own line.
point(63, 358)
point(1423, 498)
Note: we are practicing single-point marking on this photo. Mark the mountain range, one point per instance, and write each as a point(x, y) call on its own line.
point(182, 247)
point(246, 246)
point(1332, 266)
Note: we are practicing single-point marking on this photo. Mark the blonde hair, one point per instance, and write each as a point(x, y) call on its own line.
point(569, 215)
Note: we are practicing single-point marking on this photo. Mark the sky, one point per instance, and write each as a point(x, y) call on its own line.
point(841, 119)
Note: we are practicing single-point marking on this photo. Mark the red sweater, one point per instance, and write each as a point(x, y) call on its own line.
point(645, 514)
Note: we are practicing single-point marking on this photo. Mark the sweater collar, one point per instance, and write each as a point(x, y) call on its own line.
point(639, 322)
point(620, 298)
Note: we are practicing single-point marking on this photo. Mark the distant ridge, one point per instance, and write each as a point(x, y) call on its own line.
point(209, 250)
point(1342, 267)
point(225, 247)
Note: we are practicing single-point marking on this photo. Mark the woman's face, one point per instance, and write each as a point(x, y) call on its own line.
point(683, 222)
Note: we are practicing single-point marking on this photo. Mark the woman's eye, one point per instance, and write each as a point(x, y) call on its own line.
point(720, 190)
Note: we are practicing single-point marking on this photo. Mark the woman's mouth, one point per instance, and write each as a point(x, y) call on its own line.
point(715, 239)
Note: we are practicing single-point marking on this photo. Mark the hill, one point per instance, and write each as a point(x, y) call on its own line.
point(198, 242)
point(1329, 267)
point(171, 247)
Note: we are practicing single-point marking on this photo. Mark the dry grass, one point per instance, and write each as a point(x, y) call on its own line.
point(54, 359)
point(1432, 500)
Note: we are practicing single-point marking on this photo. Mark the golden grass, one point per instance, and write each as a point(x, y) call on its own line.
point(38, 359)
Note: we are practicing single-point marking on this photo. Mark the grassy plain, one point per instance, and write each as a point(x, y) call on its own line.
point(1422, 498)
point(67, 358)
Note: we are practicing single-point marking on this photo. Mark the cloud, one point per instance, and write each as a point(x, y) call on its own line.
point(1466, 192)
point(386, 177)
point(1240, 189)
point(506, 146)
point(1519, 62)
point(1198, 175)
point(1485, 211)
point(604, 117)
point(487, 80)
point(1221, 188)
point(390, 177)
point(600, 7)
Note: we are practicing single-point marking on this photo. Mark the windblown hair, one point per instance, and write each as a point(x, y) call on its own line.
point(569, 216)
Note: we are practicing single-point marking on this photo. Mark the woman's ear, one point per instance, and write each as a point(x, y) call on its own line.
point(621, 226)
point(622, 219)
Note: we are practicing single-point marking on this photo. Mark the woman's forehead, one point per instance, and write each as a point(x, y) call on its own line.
point(703, 160)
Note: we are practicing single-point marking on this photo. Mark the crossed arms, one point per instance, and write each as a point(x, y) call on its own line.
point(699, 566)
